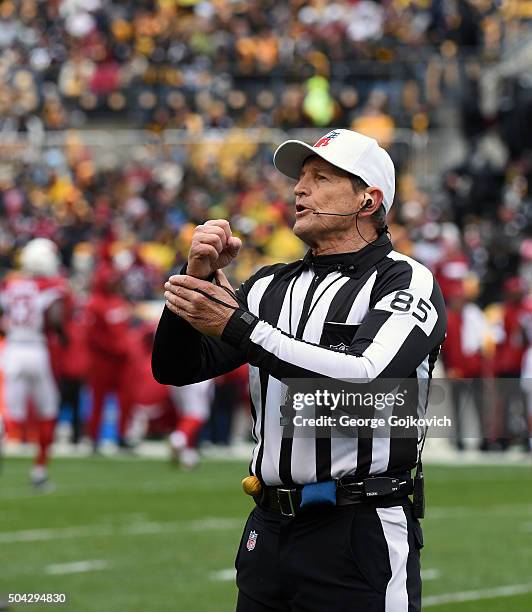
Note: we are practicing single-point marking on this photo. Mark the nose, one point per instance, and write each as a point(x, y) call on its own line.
point(301, 188)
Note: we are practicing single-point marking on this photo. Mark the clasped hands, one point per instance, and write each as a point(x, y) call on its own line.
point(187, 295)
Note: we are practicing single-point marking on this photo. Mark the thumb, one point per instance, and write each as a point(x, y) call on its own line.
point(234, 245)
point(221, 279)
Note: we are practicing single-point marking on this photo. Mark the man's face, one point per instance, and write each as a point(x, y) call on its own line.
point(323, 187)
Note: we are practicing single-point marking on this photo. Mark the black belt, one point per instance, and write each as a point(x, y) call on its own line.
point(349, 490)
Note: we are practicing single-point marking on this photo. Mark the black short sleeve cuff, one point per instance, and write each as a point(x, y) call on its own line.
point(239, 327)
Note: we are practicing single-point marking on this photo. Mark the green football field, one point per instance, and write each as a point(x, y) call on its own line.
point(125, 534)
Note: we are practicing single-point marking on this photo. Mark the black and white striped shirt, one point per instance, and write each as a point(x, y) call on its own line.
point(386, 310)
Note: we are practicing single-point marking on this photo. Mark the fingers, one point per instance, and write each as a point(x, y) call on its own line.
point(223, 224)
point(179, 304)
point(213, 240)
point(180, 308)
point(213, 246)
point(204, 251)
point(183, 288)
point(214, 236)
point(173, 303)
point(221, 279)
point(234, 245)
point(208, 228)
point(188, 282)
point(183, 293)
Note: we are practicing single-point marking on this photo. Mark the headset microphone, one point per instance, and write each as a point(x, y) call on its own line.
point(336, 214)
point(366, 204)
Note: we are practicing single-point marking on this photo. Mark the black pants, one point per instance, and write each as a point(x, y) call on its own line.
point(512, 409)
point(466, 393)
point(70, 390)
point(358, 558)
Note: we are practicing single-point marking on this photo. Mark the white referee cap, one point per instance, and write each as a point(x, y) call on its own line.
point(345, 149)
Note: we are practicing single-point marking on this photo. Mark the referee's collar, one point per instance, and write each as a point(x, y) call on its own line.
point(355, 263)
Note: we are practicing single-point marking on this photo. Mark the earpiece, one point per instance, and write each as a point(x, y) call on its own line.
point(367, 204)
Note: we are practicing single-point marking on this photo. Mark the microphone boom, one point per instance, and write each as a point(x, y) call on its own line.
point(336, 214)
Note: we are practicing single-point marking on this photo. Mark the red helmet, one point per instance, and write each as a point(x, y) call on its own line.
point(515, 284)
point(104, 279)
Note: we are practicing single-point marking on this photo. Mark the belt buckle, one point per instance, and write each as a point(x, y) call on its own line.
point(286, 502)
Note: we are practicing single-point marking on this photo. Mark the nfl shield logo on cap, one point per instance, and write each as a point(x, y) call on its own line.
point(252, 540)
point(325, 140)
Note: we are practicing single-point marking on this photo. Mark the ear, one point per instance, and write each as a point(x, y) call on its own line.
point(373, 198)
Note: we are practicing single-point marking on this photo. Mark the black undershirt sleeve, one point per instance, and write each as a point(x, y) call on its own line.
point(181, 355)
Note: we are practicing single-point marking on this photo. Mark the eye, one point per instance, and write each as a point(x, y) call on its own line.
point(321, 177)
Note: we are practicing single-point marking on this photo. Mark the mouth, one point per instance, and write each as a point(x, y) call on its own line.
point(300, 209)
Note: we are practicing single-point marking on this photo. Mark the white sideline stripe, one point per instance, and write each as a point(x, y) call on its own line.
point(230, 574)
point(503, 591)
point(450, 512)
point(430, 574)
point(158, 451)
point(76, 567)
point(224, 575)
point(83, 489)
point(84, 531)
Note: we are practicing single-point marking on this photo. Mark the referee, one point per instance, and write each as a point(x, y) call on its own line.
point(333, 528)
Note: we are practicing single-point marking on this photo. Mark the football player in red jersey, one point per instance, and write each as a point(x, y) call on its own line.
point(70, 360)
point(194, 407)
point(465, 361)
point(108, 344)
point(526, 371)
point(32, 304)
point(508, 362)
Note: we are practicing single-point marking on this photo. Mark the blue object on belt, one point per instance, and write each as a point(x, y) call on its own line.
point(318, 493)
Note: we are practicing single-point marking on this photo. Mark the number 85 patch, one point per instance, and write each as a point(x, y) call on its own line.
point(404, 302)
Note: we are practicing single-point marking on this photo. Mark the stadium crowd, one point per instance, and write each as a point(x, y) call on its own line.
point(222, 63)
point(122, 224)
